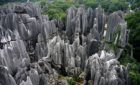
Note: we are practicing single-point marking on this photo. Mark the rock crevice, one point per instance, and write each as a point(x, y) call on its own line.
point(35, 50)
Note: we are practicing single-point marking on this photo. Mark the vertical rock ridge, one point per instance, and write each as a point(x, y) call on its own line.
point(36, 50)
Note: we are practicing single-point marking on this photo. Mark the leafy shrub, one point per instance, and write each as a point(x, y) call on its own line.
point(134, 67)
point(71, 82)
point(133, 21)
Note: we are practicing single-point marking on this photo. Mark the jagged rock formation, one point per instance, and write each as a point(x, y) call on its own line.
point(36, 50)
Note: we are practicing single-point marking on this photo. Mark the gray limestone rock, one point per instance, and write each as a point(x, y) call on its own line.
point(37, 50)
point(104, 71)
point(6, 78)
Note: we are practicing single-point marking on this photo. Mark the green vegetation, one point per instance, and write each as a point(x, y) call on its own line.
point(133, 21)
point(55, 9)
point(109, 5)
point(134, 3)
point(71, 82)
point(133, 65)
point(75, 80)
point(114, 5)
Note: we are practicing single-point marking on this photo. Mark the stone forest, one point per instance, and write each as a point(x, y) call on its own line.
point(86, 47)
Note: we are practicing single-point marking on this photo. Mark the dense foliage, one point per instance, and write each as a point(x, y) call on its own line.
point(133, 21)
point(133, 66)
point(57, 8)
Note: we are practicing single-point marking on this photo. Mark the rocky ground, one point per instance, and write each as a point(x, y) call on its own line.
point(83, 50)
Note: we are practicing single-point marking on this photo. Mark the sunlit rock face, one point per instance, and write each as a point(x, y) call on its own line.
point(36, 50)
point(104, 69)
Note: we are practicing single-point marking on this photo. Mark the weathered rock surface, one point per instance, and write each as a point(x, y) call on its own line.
point(36, 50)
point(5, 77)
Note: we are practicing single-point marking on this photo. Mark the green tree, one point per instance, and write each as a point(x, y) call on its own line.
point(133, 21)
point(56, 9)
